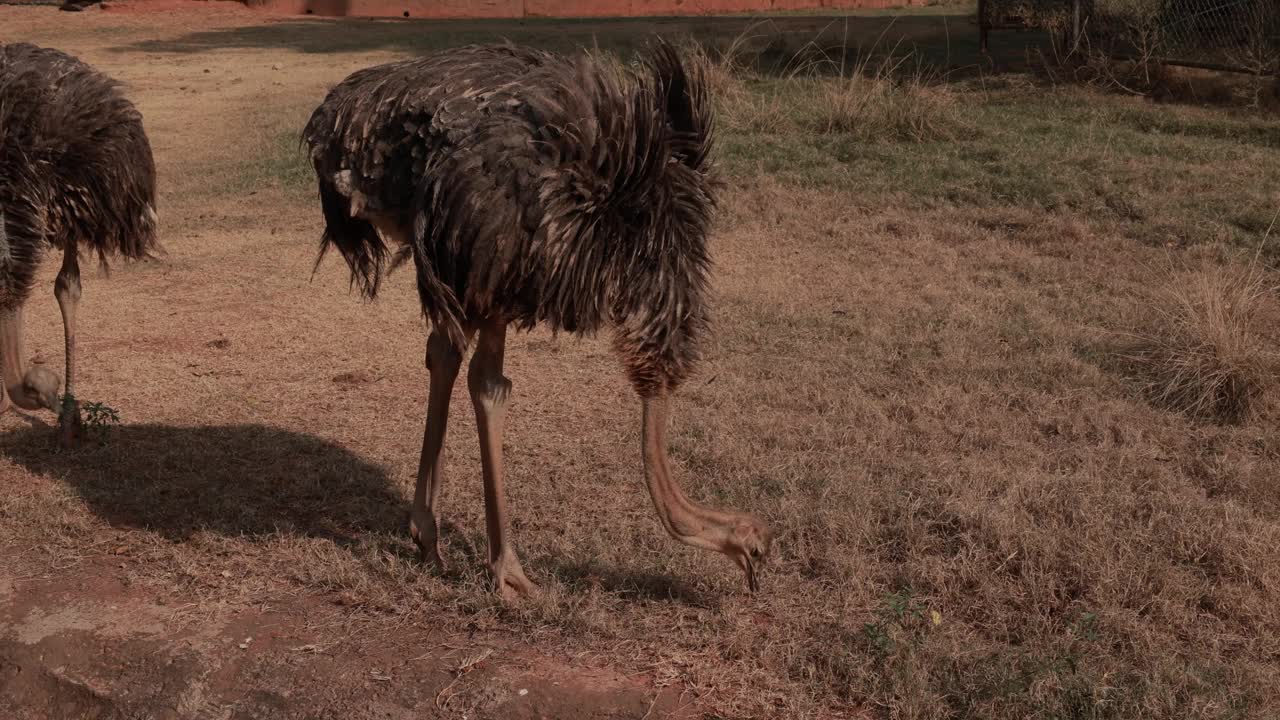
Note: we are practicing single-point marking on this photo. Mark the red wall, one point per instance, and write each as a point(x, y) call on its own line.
point(552, 8)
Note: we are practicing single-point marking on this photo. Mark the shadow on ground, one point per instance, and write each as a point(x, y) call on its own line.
point(941, 40)
point(629, 584)
point(232, 479)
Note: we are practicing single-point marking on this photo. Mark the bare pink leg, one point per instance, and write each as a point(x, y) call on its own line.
point(489, 392)
point(67, 289)
point(443, 362)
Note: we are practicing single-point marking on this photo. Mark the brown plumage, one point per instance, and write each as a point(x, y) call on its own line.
point(544, 188)
point(527, 188)
point(76, 171)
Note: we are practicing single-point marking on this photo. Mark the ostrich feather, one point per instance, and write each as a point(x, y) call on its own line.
point(75, 164)
point(535, 187)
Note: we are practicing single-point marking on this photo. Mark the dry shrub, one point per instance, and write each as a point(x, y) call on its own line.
point(1269, 98)
point(1206, 358)
point(882, 103)
point(1260, 51)
point(722, 68)
point(817, 94)
point(742, 108)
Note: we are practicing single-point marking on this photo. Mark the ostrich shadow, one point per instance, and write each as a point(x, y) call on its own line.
point(236, 480)
point(580, 574)
point(258, 481)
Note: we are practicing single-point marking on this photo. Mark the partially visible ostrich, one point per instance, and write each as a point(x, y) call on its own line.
point(75, 171)
point(533, 188)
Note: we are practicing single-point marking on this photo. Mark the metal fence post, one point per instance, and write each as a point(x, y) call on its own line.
point(984, 27)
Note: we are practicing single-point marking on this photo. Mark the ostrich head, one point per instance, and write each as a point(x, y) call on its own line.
point(30, 389)
point(36, 389)
point(748, 546)
point(42, 385)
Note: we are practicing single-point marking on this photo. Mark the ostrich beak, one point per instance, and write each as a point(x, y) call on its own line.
point(49, 399)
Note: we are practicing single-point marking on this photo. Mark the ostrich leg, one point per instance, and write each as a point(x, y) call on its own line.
point(443, 361)
point(489, 392)
point(67, 289)
point(5, 403)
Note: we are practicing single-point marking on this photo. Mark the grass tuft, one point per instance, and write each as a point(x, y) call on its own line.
point(884, 103)
point(894, 97)
point(1206, 357)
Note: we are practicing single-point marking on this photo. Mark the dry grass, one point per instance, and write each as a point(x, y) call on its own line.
point(891, 97)
point(1207, 358)
point(977, 517)
point(886, 103)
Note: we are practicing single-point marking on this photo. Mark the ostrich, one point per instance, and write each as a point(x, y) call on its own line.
point(75, 170)
point(528, 188)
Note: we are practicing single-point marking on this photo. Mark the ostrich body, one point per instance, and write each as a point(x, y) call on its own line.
point(532, 188)
point(75, 171)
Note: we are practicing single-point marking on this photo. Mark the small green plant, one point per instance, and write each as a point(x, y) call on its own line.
point(96, 418)
point(1086, 626)
point(99, 416)
point(900, 621)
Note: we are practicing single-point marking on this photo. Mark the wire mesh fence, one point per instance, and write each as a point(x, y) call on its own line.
point(1231, 34)
point(1240, 35)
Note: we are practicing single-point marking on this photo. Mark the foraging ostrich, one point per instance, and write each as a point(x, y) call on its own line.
point(532, 188)
point(75, 170)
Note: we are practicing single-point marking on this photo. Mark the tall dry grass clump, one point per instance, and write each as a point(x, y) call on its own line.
point(885, 102)
point(740, 107)
point(815, 90)
point(1206, 356)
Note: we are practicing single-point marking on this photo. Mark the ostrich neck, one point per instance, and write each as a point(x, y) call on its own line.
point(686, 520)
point(11, 359)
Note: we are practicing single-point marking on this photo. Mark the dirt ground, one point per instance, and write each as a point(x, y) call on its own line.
point(979, 511)
point(87, 636)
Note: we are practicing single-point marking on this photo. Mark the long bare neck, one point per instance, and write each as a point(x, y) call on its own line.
point(684, 519)
point(12, 359)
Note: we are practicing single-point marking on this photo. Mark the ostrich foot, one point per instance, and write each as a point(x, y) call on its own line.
point(70, 426)
point(423, 530)
point(509, 579)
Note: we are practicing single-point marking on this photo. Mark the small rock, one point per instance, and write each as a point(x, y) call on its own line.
point(245, 645)
point(276, 66)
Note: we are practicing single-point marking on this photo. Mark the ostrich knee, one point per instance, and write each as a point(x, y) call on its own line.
point(489, 393)
point(443, 361)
